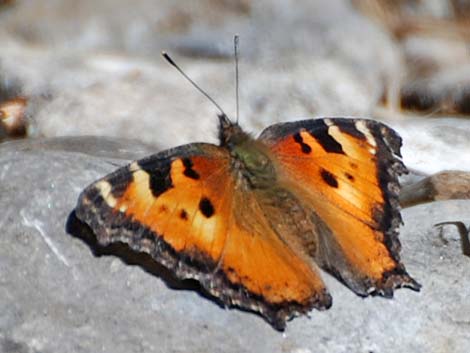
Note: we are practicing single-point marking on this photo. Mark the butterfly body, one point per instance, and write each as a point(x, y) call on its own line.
point(253, 220)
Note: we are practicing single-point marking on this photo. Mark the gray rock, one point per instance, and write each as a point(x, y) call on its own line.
point(93, 68)
point(57, 295)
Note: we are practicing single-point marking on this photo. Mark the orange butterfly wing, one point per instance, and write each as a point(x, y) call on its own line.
point(346, 172)
point(182, 206)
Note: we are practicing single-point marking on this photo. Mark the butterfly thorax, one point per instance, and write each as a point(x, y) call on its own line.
point(250, 161)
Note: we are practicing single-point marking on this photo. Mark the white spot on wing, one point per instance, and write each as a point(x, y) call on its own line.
point(328, 122)
point(104, 188)
point(362, 127)
point(134, 167)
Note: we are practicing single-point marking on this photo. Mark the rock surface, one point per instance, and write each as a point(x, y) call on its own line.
point(94, 69)
point(57, 295)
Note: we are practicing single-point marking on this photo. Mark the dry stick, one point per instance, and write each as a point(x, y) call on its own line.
point(448, 185)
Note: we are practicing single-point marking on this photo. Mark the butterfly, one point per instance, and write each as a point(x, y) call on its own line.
point(254, 219)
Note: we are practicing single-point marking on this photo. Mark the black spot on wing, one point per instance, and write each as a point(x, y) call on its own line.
point(303, 146)
point(188, 169)
point(327, 141)
point(184, 215)
point(349, 176)
point(159, 172)
point(329, 178)
point(206, 207)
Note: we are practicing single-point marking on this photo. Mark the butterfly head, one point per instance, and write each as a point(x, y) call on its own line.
point(231, 134)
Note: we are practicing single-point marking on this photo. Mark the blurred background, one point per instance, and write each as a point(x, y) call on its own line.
point(70, 69)
point(94, 68)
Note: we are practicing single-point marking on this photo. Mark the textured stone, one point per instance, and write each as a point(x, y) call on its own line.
point(94, 69)
point(57, 295)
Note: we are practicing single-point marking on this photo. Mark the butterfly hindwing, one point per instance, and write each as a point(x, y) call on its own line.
point(184, 207)
point(346, 172)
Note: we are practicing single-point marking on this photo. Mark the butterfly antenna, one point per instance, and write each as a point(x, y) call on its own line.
point(170, 60)
point(235, 48)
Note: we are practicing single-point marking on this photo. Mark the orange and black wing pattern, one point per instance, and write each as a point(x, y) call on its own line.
point(346, 172)
point(183, 207)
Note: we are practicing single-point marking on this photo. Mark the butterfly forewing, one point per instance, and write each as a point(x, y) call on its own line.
point(183, 208)
point(346, 172)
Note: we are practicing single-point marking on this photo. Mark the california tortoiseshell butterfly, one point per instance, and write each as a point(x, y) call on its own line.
point(253, 220)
